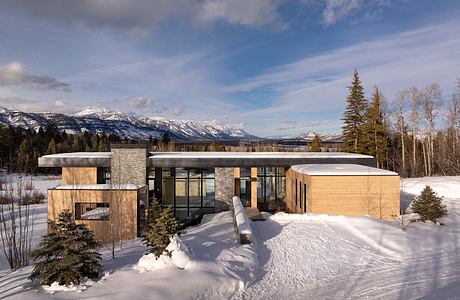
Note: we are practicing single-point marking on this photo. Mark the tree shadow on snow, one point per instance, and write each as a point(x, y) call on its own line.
point(14, 283)
point(263, 232)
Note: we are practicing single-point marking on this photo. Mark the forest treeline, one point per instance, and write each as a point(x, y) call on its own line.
point(20, 148)
point(415, 134)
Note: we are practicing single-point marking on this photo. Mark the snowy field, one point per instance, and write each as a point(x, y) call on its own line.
point(293, 257)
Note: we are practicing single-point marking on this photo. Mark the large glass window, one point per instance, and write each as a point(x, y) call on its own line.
point(245, 186)
point(185, 189)
point(271, 191)
point(103, 175)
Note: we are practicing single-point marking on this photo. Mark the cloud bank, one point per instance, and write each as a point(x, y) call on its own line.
point(15, 73)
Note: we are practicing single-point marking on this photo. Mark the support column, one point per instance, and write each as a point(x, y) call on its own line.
point(225, 187)
point(254, 187)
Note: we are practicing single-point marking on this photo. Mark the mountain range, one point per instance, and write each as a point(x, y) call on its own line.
point(102, 120)
point(324, 137)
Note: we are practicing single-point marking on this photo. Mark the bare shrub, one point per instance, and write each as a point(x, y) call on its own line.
point(38, 197)
point(29, 185)
point(16, 225)
point(2, 181)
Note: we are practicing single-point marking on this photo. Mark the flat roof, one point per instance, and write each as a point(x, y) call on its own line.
point(210, 159)
point(341, 170)
point(75, 159)
point(250, 155)
point(129, 186)
point(253, 159)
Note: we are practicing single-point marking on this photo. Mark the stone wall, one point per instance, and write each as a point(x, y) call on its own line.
point(225, 188)
point(128, 165)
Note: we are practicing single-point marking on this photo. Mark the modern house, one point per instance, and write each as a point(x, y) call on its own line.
point(108, 190)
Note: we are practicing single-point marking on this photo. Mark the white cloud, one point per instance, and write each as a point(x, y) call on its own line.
point(14, 73)
point(34, 105)
point(177, 110)
point(60, 103)
point(138, 15)
point(338, 9)
point(250, 12)
point(289, 125)
point(141, 103)
point(318, 83)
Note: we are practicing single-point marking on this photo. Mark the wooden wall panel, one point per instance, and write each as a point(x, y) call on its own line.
point(254, 187)
point(79, 175)
point(125, 217)
point(376, 196)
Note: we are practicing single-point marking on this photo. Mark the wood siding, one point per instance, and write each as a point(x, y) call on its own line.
point(376, 196)
point(126, 216)
point(79, 175)
point(254, 187)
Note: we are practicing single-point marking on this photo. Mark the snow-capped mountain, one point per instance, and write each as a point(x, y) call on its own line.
point(324, 137)
point(99, 120)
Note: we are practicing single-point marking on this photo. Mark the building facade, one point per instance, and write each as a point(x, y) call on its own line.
point(122, 182)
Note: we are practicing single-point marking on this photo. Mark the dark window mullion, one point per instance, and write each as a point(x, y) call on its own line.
point(174, 188)
point(188, 192)
point(201, 188)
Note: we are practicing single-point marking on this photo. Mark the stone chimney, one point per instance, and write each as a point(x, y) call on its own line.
point(128, 163)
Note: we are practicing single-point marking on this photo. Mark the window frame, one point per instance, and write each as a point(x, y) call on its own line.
point(90, 204)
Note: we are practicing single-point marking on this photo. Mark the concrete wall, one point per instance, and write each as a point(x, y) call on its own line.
point(376, 196)
point(126, 200)
point(224, 188)
point(128, 165)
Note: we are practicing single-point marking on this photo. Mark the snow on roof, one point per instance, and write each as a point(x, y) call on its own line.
point(129, 186)
point(249, 155)
point(79, 155)
point(96, 213)
point(341, 170)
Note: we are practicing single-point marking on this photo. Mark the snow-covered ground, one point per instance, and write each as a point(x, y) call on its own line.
point(293, 257)
point(40, 211)
point(219, 267)
point(335, 257)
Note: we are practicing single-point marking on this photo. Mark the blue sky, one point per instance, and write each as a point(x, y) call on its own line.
point(274, 67)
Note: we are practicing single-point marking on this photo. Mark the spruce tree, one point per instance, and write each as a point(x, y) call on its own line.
point(160, 228)
point(429, 205)
point(67, 254)
point(51, 147)
point(353, 117)
point(315, 144)
point(375, 134)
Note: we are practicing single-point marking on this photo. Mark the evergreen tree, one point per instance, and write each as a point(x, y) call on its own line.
point(24, 155)
point(67, 254)
point(51, 147)
point(161, 226)
point(353, 117)
point(375, 139)
point(315, 144)
point(166, 138)
point(429, 205)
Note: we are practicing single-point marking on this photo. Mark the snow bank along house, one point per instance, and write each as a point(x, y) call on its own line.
point(104, 189)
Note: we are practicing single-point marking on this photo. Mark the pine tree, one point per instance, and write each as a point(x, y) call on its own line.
point(160, 228)
point(353, 117)
point(429, 205)
point(375, 139)
point(51, 147)
point(315, 144)
point(67, 254)
point(166, 138)
point(24, 155)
